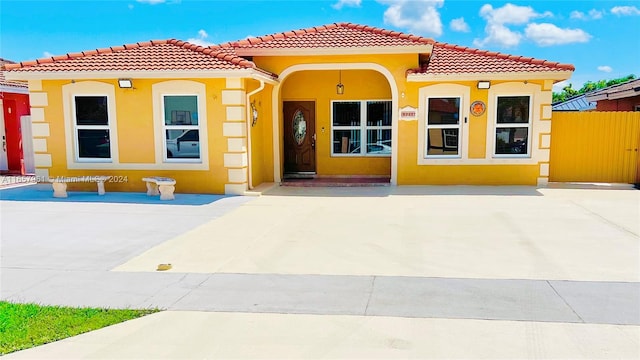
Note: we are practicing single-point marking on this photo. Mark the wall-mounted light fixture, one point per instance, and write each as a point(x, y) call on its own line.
point(125, 83)
point(254, 114)
point(484, 84)
point(339, 87)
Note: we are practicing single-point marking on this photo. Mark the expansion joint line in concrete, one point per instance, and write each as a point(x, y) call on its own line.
point(373, 284)
point(565, 301)
point(188, 292)
point(605, 219)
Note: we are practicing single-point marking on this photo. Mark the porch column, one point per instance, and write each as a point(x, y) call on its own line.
point(544, 131)
point(38, 100)
point(235, 132)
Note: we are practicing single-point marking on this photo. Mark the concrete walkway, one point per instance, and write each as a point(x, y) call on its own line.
point(340, 273)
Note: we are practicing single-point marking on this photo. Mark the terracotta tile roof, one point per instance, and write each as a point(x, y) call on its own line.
point(338, 35)
point(155, 55)
point(452, 59)
point(9, 83)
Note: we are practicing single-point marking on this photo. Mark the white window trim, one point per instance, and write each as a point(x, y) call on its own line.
point(528, 126)
point(444, 91)
point(461, 122)
point(89, 88)
point(180, 88)
point(178, 127)
point(536, 97)
point(77, 127)
point(362, 127)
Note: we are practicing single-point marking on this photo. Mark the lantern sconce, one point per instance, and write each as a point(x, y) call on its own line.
point(340, 86)
point(254, 114)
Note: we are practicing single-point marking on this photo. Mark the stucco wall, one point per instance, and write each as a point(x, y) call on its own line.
point(134, 143)
point(320, 86)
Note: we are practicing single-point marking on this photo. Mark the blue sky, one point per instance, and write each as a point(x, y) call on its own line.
point(601, 38)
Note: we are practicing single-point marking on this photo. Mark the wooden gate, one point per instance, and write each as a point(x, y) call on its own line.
point(595, 146)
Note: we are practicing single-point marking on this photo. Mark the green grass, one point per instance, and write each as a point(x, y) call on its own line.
point(27, 325)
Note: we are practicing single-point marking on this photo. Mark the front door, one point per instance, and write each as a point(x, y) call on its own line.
point(3, 151)
point(299, 136)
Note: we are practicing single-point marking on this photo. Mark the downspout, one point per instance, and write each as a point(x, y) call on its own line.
point(249, 121)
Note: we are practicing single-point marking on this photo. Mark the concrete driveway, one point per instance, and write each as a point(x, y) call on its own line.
point(391, 272)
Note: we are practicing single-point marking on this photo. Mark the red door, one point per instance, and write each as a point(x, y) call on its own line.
point(13, 135)
point(299, 136)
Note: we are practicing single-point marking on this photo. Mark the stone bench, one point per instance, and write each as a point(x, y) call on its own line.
point(59, 183)
point(160, 186)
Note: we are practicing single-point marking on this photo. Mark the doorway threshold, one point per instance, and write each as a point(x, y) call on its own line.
point(336, 181)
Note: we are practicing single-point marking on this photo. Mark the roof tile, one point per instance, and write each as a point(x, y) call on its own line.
point(449, 59)
point(163, 55)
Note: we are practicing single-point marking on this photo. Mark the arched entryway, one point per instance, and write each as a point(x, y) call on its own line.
point(331, 130)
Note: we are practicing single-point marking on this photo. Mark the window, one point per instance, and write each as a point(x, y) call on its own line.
point(443, 127)
point(361, 122)
point(513, 126)
point(181, 127)
point(91, 127)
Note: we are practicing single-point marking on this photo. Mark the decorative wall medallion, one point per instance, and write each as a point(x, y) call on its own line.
point(478, 108)
point(299, 127)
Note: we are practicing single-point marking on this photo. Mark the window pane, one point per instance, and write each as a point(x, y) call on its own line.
point(513, 109)
point(346, 114)
point(94, 144)
point(91, 110)
point(183, 144)
point(181, 110)
point(379, 141)
point(444, 111)
point(442, 142)
point(346, 141)
point(511, 140)
point(379, 113)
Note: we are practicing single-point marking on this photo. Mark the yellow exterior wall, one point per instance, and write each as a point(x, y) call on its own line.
point(595, 147)
point(227, 166)
point(136, 142)
point(411, 174)
point(320, 86)
point(469, 171)
point(262, 136)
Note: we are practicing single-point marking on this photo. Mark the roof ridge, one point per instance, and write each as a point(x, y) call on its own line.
point(232, 58)
point(322, 28)
point(499, 55)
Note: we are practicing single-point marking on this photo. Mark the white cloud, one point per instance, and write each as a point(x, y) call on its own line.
point(151, 2)
point(605, 68)
point(546, 34)
point(595, 14)
point(625, 10)
point(577, 15)
point(351, 3)
point(201, 39)
point(496, 31)
point(47, 54)
point(418, 16)
point(499, 34)
point(510, 14)
point(592, 15)
point(459, 25)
